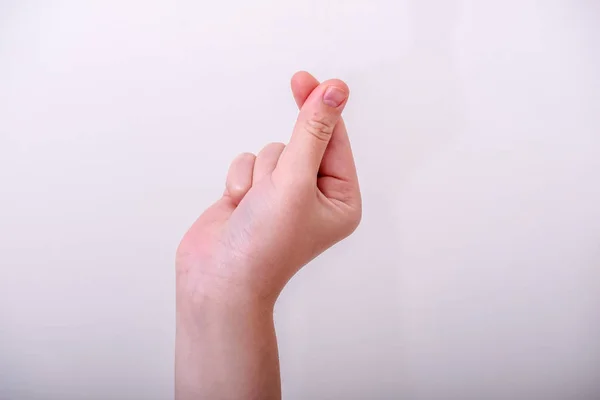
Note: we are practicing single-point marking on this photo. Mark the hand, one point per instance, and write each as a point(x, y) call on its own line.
point(280, 209)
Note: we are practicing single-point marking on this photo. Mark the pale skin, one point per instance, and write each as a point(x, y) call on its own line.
point(280, 209)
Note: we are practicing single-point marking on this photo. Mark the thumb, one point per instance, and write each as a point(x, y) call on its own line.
point(314, 127)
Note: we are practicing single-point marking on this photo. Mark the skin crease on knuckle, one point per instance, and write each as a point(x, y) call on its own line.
point(320, 126)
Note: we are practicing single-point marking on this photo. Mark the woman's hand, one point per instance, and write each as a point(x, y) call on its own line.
point(280, 209)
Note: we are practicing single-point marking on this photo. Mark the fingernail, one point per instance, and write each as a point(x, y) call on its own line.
point(333, 96)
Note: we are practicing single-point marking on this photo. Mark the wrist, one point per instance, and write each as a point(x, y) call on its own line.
point(215, 285)
point(210, 304)
point(212, 295)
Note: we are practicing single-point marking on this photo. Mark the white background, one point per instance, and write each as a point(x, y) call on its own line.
point(476, 128)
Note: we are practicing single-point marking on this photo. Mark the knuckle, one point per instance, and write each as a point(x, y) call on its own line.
point(273, 146)
point(271, 151)
point(243, 157)
point(320, 126)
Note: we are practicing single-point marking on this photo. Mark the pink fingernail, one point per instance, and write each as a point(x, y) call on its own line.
point(334, 97)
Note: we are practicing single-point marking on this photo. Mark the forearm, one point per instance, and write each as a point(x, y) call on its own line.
point(225, 351)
